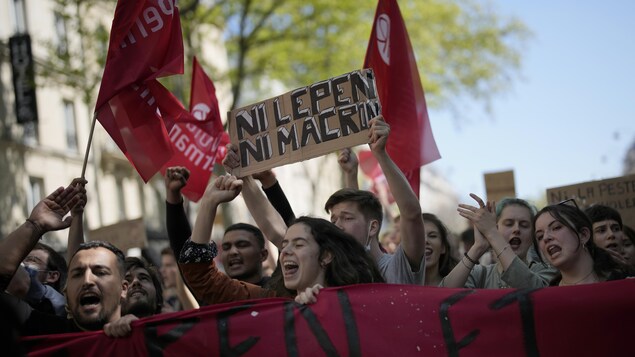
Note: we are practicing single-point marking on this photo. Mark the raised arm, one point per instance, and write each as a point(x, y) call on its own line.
point(271, 187)
point(267, 218)
point(47, 215)
point(196, 261)
point(76, 230)
point(349, 165)
point(222, 189)
point(412, 230)
point(177, 224)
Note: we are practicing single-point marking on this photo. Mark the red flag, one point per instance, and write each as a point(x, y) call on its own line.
point(411, 143)
point(145, 43)
point(197, 135)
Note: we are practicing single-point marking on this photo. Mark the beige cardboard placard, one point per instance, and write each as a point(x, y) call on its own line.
point(618, 193)
point(304, 123)
point(123, 235)
point(499, 185)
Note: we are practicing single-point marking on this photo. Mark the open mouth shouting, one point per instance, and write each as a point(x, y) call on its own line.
point(553, 251)
point(289, 268)
point(234, 263)
point(428, 252)
point(613, 246)
point(89, 301)
point(515, 243)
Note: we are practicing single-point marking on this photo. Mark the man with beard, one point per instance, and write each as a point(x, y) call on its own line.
point(95, 285)
point(145, 295)
point(242, 253)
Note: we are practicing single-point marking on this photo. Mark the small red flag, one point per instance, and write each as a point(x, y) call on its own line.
point(145, 43)
point(197, 135)
point(411, 143)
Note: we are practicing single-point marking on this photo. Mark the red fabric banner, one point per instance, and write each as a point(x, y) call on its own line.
point(197, 135)
point(411, 143)
point(383, 320)
point(145, 43)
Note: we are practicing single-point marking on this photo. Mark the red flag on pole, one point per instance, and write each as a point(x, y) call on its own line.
point(411, 143)
point(145, 43)
point(196, 135)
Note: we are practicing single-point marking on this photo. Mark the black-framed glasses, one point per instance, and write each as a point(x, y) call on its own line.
point(569, 202)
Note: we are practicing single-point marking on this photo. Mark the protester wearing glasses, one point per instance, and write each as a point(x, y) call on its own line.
point(564, 235)
point(39, 280)
point(507, 231)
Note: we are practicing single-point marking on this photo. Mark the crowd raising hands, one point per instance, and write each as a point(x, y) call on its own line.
point(295, 257)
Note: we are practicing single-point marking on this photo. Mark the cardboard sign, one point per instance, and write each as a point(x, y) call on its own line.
point(304, 123)
point(499, 185)
point(618, 193)
point(382, 320)
point(123, 235)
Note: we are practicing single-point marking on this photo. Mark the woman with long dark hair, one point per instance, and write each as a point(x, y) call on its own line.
point(314, 253)
point(439, 254)
point(564, 235)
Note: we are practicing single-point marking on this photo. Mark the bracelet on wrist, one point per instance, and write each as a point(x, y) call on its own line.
point(475, 262)
point(36, 226)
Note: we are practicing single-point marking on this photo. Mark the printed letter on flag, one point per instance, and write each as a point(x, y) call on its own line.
point(390, 55)
point(145, 43)
point(197, 136)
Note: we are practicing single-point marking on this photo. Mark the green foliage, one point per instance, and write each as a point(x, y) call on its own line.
point(463, 47)
point(77, 59)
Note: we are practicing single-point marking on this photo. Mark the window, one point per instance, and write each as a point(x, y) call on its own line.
point(60, 32)
point(30, 135)
point(19, 15)
point(69, 121)
point(35, 192)
point(121, 198)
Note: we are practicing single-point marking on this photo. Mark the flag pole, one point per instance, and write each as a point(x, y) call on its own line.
point(90, 140)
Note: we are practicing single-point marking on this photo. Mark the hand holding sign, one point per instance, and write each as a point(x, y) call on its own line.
point(378, 134)
point(231, 160)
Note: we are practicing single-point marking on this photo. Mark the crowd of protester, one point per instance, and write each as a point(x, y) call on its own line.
point(508, 245)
